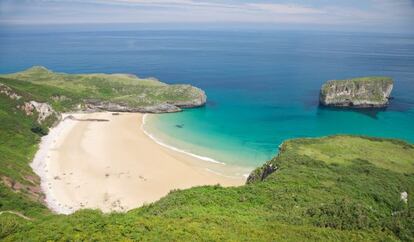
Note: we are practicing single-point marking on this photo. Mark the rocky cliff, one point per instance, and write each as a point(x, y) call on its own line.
point(364, 92)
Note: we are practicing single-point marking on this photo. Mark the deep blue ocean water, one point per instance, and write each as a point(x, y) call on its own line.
point(262, 86)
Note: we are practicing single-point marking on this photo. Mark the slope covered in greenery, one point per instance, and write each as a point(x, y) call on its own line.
point(345, 188)
point(122, 89)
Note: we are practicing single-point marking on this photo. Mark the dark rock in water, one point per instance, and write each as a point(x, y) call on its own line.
point(364, 92)
point(179, 126)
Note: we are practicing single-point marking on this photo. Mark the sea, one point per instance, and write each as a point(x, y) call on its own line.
point(262, 85)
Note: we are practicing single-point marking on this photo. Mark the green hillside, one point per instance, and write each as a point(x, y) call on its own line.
point(122, 89)
point(339, 188)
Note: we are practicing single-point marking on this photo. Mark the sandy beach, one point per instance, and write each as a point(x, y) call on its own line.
point(106, 161)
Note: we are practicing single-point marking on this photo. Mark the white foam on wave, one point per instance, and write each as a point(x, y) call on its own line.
point(175, 148)
point(236, 175)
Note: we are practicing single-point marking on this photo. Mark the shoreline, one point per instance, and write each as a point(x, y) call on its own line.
point(175, 148)
point(40, 161)
point(198, 157)
point(122, 159)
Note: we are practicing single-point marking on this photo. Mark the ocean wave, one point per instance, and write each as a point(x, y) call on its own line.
point(237, 175)
point(175, 148)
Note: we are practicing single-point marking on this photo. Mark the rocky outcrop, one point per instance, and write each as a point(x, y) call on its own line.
point(261, 173)
point(198, 100)
point(9, 92)
point(404, 197)
point(97, 105)
point(365, 92)
point(43, 110)
point(31, 188)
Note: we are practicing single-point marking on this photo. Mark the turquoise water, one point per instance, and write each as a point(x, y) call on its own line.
point(239, 135)
point(262, 86)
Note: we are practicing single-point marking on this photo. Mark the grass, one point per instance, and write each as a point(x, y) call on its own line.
point(116, 88)
point(343, 150)
point(369, 79)
point(363, 80)
point(337, 188)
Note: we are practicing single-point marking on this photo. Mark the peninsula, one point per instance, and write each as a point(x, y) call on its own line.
point(110, 92)
point(363, 92)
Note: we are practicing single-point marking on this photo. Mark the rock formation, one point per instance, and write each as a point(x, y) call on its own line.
point(365, 92)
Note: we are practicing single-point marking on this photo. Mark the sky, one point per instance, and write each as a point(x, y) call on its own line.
point(376, 15)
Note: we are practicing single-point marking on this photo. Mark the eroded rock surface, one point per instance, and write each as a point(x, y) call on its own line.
point(365, 92)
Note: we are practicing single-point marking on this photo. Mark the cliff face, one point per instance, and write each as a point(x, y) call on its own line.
point(365, 92)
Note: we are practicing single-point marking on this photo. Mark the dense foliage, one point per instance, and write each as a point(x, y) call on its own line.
point(343, 188)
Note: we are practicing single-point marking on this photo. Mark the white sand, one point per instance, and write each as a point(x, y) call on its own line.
point(114, 166)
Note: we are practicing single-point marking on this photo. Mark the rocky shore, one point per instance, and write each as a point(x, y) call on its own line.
point(93, 105)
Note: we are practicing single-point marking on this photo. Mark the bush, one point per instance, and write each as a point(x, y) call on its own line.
point(341, 214)
point(40, 130)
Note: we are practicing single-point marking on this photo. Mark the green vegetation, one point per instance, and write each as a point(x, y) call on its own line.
point(359, 81)
point(339, 188)
point(121, 89)
point(396, 155)
point(364, 80)
point(19, 135)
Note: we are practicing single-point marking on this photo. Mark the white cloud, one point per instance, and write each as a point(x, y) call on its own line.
point(342, 13)
point(283, 8)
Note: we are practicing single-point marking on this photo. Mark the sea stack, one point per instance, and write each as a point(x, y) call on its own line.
point(362, 92)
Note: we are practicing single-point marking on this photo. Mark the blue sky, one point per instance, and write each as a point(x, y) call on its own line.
point(378, 15)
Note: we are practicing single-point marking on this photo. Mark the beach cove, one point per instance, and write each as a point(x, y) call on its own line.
point(107, 161)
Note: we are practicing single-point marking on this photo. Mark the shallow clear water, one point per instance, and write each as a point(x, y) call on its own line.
point(262, 86)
